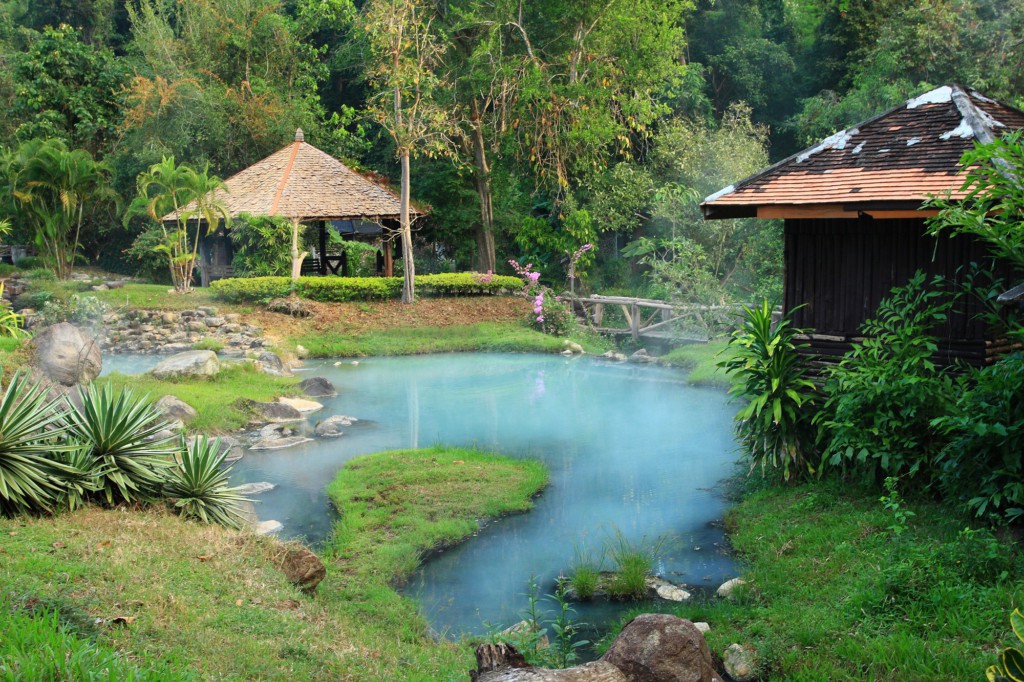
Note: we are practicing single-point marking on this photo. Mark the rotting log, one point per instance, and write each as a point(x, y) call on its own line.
point(502, 663)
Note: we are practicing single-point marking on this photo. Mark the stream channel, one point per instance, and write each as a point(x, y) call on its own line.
point(630, 449)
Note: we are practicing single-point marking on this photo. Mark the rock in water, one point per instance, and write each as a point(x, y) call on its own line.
point(268, 527)
point(174, 409)
point(303, 406)
point(318, 387)
point(302, 568)
point(662, 648)
point(274, 412)
point(332, 426)
point(740, 662)
point(67, 355)
point(188, 364)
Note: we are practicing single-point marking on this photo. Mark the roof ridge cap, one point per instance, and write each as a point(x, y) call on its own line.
point(978, 120)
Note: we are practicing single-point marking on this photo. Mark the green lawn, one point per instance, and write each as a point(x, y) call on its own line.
point(701, 362)
point(203, 602)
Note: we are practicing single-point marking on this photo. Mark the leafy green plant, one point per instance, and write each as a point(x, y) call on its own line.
point(885, 393)
point(28, 426)
point(79, 476)
point(198, 485)
point(11, 323)
point(32, 263)
point(565, 629)
point(774, 427)
point(262, 246)
point(1011, 661)
point(76, 309)
point(892, 502)
point(980, 462)
point(119, 430)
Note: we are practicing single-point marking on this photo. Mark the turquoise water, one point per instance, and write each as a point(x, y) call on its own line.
point(630, 449)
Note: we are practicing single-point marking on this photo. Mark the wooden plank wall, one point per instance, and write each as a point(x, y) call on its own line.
point(840, 270)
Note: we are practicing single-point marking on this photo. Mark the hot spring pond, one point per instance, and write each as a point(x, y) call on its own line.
point(631, 450)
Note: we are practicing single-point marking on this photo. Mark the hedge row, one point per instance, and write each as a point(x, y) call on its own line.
point(340, 289)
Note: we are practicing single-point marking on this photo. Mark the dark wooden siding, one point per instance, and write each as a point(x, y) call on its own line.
point(840, 270)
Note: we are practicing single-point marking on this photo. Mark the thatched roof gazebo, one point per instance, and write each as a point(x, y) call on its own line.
point(303, 184)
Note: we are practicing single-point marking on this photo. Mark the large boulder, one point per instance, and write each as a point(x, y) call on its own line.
point(274, 412)
point(174, 409)
point(302, 567)
point(193, 363)
point(318, 387)
point(270, 363)
point(657, 647)
point(67, 355)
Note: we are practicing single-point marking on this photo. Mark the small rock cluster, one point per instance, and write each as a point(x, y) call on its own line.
point(149, 331)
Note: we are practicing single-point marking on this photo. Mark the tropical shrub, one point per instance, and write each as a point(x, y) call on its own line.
point(30, 263)
point(29, 427)
point(76, 309)
point(11, 323)
point(118, 428)
point(551, 314)
point(198, 485)
point(1011, 661)
point(883, 397)
point(262, 246)
point(362, 257)
point(775, 426)
point(980, 462)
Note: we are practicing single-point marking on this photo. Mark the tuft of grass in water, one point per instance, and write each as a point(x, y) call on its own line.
point(214, 398)
point(837, 594)
point(634, 563)
point(213, 597)
point(487, 336)
point(584, 573)
point(701, 362)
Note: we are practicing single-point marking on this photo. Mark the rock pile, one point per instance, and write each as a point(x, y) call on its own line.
point(153, 331)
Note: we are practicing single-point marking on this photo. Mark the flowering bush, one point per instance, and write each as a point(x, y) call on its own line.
point(550, 314)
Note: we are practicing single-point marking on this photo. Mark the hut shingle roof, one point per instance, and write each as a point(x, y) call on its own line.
point(304, 183)
point(892, 161)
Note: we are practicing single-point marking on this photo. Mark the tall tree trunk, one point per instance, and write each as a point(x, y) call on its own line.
point(408, 289)
point(485, 230)
point(296, 256)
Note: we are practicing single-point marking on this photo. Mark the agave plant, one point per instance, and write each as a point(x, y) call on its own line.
point(118, 430)
point(199, 485)
point(79, 476)
point(28, 429)
point(1011, 661)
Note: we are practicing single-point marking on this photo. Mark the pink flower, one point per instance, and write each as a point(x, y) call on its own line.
point(534, 276)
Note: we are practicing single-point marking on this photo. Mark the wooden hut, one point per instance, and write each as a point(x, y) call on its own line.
point(853, 228)
point(305, 184)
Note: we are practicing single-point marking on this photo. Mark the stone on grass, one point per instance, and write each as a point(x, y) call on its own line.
point(268, 527)
point(667, 590)
point(174, 409)
point(657, 647)
point(740, 662)
point(295, 307)
point(318, 387)
point(270, 363)
point(704, 628)
point(193, 363)
point(303, 568)
point(301, 405)
point(729, 588)
point(274, 412)
point(67, 355)
point(332, 426)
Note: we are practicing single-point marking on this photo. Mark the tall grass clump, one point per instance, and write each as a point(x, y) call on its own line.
point(774, 426)
point(634, 564)
point(584, 573)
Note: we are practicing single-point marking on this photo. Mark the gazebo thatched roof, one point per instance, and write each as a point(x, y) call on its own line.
point(302, 183)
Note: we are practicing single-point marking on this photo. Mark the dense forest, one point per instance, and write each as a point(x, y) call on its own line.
point(531, 128)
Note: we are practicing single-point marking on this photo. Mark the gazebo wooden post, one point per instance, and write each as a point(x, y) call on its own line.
point(323, 247)
point(390, 226)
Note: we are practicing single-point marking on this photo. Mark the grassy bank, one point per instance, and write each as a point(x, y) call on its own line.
point(215, 398)
point(844, 589)
point(700, 360)
point(492, 337)
point(203, 602)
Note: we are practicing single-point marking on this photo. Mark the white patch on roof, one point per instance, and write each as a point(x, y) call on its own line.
point(720, 193)
point(858, 148)
point(837, 141)
point(978, 96)
point(882, 151)
point(912, 141)
point(963, 130)
point(936, 96)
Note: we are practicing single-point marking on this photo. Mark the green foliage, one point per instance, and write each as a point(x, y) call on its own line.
point(198, 484)
point(774, 427)
point(76, 309)
point(892, 502)
point(39, 646)
point(1011, 661)
point(341, 289)
point(532, 641)
point(994, 206)
point(12, 324)
point(208, 344)
point(584, 574)
point(118, 429)
point(29, 425)
point(634, 564)
point(980, 463)
point(262, 246)
point(31, 263)
point(883, 397)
